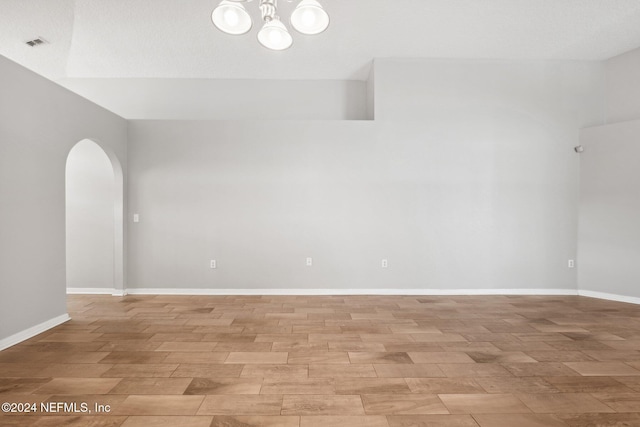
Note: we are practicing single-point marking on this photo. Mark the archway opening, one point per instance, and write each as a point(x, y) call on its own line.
point(93, 219)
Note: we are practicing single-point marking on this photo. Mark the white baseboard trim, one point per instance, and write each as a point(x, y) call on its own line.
point(209, 291)
point(33, 331)
point(90, 291)
point(96, 291)
point(610, 297)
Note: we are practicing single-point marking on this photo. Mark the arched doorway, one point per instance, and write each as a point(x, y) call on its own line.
point(94, 220)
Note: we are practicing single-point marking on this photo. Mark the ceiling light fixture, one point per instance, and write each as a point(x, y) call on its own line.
point(308, 18)
point(232, 18)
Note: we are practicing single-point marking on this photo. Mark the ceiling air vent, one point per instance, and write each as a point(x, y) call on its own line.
point(36, 42)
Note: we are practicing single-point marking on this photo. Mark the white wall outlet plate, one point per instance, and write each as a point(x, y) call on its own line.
point(309, 261)
point(213, 264)
point(385, 263)
point(571, 263)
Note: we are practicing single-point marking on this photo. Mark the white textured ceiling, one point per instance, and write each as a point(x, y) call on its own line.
point(176, 39)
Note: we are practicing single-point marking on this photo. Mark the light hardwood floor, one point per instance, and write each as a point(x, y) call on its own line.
point(324, 361)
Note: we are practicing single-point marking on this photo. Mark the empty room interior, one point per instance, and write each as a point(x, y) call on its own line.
point(302, 213)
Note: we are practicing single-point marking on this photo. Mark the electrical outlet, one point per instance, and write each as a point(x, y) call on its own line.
point(309, 262)
point(136, 217)
point(385, 263)
point(571, 263)
point(213, 264)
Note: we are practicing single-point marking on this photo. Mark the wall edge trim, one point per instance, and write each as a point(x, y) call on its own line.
point(608, 296)
point(92, 291)
point(31, 332)
point(380, 291)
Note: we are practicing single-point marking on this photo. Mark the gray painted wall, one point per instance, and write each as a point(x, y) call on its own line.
point(458, 184)
point(90, 195)
point(609, 238)
point(204, 99)
point(39, 123)
point(623, 87)
point(561, 96)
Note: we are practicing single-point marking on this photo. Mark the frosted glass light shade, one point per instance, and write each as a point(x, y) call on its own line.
point(309, 18)
point(274, 35)
point(231, 18)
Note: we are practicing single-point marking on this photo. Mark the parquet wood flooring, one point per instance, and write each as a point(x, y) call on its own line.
point(306, 361)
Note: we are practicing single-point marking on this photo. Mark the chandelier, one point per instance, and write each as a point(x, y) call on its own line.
point(307, 18)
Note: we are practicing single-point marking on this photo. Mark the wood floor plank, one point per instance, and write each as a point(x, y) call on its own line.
point(21, 385)
point(483, 404)
point(371, 386)
point(78, 386)
point(440, 357)
point(409, 371)
point(258, 358)
point(356, 346)
point(379, 357)
point(444, 385)
point(607, 369)
point(202, 386)
point(342, 371)
point(243, 346)
point(76, 370)
point(300, 347)
point(403, 404)
point(567, 403)
point(631, 382)
point(158, 405)
point(318, 357)
point(196, 357)
point(518, 385)
point(189, 370)
point(500, 357)
point(275, 371)
point(71, 421)
point(133, 357)
point(147, 386)
point(345, 420)
point(431, 421)
point(545, 369)
point(519, 420)
point(588, 385)
point(74, 357)
point(124, 370)
point(241, 405)
point(255, 421)
point(620, 402)
point(322, 405)
point(168, 421)
point(189, 346)
point(324, 386)
point(601, 420)
point(469, 370)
